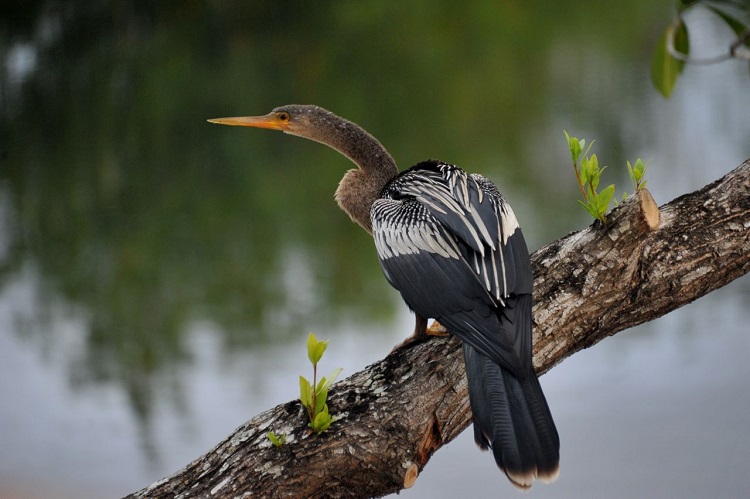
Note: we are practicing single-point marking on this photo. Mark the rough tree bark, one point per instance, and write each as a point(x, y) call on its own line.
point(641, 264)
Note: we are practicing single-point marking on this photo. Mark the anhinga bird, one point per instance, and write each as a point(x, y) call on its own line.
point(451, 245)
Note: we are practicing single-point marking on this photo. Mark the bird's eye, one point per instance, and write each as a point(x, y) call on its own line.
point(283, 116)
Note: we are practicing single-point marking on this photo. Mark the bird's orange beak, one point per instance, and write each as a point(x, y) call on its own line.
point(270, 121)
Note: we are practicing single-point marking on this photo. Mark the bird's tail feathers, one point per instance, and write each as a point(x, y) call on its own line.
point(512, 418)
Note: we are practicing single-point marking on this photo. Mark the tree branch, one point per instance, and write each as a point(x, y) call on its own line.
point(642, 263)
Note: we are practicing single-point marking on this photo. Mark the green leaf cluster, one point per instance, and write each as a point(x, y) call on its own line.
point(314, 395)
point(665, 68)
point(588, 174)
point(673, 49)
point(636, 173)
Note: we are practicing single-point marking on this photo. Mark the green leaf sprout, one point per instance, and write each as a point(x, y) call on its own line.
point(314, 395)
point(636, 173)
point(278, 441)
point(588, 175)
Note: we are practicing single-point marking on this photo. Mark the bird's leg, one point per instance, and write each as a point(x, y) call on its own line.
point(421, 333)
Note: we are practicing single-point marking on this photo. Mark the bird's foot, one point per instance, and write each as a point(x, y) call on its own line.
point(437, 329)
point(420, 335)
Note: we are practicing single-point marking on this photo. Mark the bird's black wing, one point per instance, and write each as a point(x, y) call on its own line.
point(453, 248)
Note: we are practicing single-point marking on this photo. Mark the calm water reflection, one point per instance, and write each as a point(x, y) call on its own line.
point(158, 275)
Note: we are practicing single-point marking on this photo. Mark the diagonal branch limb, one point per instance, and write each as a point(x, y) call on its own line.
point(641, 264)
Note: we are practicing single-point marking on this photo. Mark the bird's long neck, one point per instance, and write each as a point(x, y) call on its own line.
point(361, 186)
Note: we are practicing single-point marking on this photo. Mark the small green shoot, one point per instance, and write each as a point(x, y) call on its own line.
point(636, 173)
point(588, 174)
point(278, 441)
point(313, 396)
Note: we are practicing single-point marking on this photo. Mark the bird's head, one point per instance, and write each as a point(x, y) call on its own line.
point(315, 123)
point(306, 121)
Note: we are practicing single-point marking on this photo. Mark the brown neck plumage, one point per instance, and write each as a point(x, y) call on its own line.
point(361, 186)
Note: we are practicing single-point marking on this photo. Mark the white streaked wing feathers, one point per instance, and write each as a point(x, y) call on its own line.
point(416, 223)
